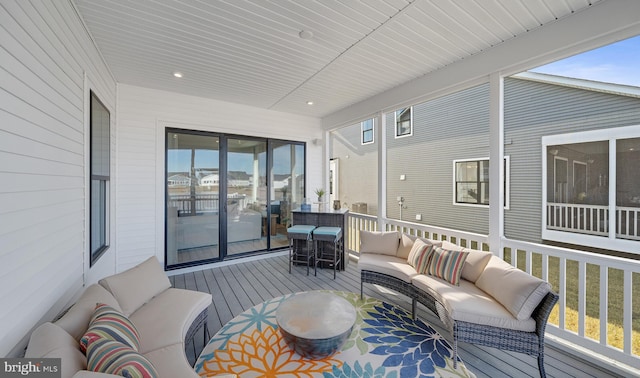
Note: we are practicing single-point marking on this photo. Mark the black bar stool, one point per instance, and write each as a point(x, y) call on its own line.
point(328, 234)
point(300, 254)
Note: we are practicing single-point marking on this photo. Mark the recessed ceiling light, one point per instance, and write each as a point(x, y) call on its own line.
point(309, 102)
point(305, 34)
point(177, 74)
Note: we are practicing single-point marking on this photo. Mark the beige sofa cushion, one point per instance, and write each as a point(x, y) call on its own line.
point(384, 243)
point(51, 341)
point(389, 265)
point(467, 303)
point(76, 320)
point(136, 286)
point(519, 292)
point(450, 246)
point(170, 362)
point(475, 264)
point(173, 312)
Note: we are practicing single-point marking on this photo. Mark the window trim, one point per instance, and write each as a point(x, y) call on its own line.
point(94, 256)
point(373, 131)
point(395, 120)
point(610, 135)
point(507, 183)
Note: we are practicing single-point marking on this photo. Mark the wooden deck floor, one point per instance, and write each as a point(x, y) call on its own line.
point(238, 287)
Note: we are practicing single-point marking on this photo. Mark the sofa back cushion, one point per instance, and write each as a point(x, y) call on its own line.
point(76, 320)
point(519, 292)
point(52, 341)
point(474, 264)
point(136, 286)
point(382, 243)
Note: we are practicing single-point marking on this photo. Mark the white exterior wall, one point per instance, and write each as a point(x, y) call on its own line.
point(143, 115)
point(48, 65)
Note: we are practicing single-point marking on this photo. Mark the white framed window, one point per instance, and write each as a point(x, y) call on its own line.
point(471, 182)
point(404, 122)
point(591, 189)
point(100, 162)
point(367, 131)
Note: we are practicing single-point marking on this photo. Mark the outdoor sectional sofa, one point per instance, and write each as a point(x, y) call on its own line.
point(137, 307)
point(479, 298)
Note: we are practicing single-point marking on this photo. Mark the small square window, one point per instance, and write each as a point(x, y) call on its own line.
point(367, 131)
point(404, 122)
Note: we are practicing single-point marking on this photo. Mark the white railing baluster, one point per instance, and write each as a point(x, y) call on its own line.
point(563, 292)
point(604, 300)
point(628, 312)
point(582, 297)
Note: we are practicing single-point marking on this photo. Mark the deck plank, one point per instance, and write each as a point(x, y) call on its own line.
point(238, 287)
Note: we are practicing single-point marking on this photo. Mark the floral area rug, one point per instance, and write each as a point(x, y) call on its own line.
point(385, 342)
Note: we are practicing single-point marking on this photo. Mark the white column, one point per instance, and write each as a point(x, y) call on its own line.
point(496, 162)
point(380, 129)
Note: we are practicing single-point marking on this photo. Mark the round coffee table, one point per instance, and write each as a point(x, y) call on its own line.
point(315, 324)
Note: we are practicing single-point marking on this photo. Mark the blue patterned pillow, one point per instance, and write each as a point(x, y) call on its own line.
point(111, 357)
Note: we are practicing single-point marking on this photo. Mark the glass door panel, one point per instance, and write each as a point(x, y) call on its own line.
point(192, 198)
point(287, 188)
point(247, 217)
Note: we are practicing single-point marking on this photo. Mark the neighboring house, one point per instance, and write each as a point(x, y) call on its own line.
point(281, 181)
point(239, 179)
point(428, 162)
point(179, 180)
point(210, 180)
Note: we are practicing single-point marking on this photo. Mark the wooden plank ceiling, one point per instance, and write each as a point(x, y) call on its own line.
point(251, 52)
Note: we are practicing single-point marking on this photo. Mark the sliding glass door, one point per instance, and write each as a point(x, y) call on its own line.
point(287, 187)
point(192, 197)
point(246, 195)
point(228, 195)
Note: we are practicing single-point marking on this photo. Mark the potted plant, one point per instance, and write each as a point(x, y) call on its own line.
point(320, 192)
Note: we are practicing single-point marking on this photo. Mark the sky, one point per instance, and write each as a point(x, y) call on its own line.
point(617, 63)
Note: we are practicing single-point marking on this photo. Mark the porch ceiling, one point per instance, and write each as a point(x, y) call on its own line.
point(251, 52)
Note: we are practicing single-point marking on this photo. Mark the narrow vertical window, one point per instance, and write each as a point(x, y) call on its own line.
point(367, 131)
point(99, 134)
point(404, 122)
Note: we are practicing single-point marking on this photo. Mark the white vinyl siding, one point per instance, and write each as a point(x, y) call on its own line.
point(45, 55)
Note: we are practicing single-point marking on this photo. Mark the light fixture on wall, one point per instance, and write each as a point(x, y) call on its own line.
point(553, 152)
point(177, 74)
point(309, 102)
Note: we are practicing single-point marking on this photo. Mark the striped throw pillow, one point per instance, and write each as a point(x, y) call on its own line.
point(447, 265)
point(111, 357)
point(107, 322)
point(419, 255)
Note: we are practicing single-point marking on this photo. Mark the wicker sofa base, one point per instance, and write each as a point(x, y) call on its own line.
point(531, 343)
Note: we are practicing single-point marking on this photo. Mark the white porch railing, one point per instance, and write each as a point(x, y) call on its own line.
point(593, 219)
point(574, 217)
point(596, 306)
